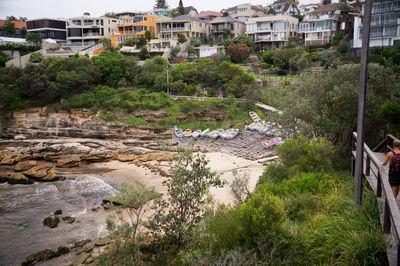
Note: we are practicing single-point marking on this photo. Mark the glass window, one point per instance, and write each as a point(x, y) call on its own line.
point(375, 20)
point(279, 26)
point(376, 32)
point(390, 19)
point(390, 31)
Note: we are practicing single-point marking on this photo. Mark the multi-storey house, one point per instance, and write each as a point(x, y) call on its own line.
point(319, 26)
point(223, 26)
point(83, 31)
point(134, 26)
point(271, 32)
point(48, 28)
point(208, 15)
point(244, 12)
point(169, 29)
point(283, 7)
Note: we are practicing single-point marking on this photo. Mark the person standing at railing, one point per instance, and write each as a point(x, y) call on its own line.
point(394, 167)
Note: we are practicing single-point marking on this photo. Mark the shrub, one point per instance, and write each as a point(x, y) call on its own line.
point(337, 38)
point(36, 57)
point(303, 155)
point(238, 52)
point(343, 48)
point(144, 54)
point(304, 183)
point(175, 50)
point(267, 57)
point(286, 59)
point(182, 38)
point(275, 173)
point(299, 206)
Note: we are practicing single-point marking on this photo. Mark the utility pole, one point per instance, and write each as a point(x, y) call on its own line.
point(358, 173)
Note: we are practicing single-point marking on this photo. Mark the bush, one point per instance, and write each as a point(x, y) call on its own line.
point(343, 48)
point(275, 173)
point(303, 155)
point(144, 54)
point(286, 59)
point(299, 206)
point(182, 38)
point(337, 38)
point(304, 183)
point(267, 57)
point(238, 52)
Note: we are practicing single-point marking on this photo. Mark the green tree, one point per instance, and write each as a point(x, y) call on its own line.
point(133, 200)
point(242, 39)
point(144, 54)
point(117, 70)
point(328, 108)
point(23, 19)
point(106, 43)
point(9, 28)
point(36, 57)
point(147, 35)
point(34, 37)
point(3, 59)
point(182, 38)
point(11, 18)
point(111, 15)
point(160, 4)
point(181, 9)
point(286, 58)
point(176, 216)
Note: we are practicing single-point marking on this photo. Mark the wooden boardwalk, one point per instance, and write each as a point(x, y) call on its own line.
point(377, 177)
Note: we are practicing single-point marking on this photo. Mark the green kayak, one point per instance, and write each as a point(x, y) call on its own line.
point(204, 132)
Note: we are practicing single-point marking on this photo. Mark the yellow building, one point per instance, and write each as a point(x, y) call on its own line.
point(134, 26)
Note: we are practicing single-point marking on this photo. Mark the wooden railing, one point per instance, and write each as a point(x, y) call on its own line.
point(377, 177)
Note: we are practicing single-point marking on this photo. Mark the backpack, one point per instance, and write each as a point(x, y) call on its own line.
point(395, 163)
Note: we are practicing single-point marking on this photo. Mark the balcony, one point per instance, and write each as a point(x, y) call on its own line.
point(91, 34)
point(219, 29)
point(89, 23)
point(175, 29)
point(269, 38)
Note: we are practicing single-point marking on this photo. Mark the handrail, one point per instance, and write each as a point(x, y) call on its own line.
point(391, 214)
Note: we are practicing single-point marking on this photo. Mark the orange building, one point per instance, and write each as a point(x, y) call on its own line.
point(134, 26)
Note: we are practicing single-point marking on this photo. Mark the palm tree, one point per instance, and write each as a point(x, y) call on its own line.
point(294, 4)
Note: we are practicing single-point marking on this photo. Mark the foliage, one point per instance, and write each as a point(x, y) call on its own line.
point(267, 57)
point(177, 215)
point(329, 107)
point(19, 47)
point(117, 70)
point(182, 38)
point(9, 28)
point(144, 54)
point(238, 52)
point(34, 37)
point(337, 38)
point(160, 4)
point(235, 79)
point(181, 9)
point(175, 50)
point(286, 58)
point(299, 17)
point(130, 41)
point(242, 39)
point(106, 42)
point(3, 59)
point(343, 48)
point(271, 11)
point(133, 199)
point(303, 155)
point(110, 15)
point(390, 111)
point(36, 57)
point(147, 35)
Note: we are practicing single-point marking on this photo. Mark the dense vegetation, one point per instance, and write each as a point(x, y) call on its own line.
point(301, 212)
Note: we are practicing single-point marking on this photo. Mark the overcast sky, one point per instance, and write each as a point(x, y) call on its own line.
point(70, 8)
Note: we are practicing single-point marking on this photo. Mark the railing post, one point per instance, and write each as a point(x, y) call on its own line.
point(398, 253)
point(368, 166)
point(386, 218)
point(379, 185)
point(353, 164)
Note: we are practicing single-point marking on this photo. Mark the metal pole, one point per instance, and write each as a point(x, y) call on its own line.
point(167, 80)
point(361, 104)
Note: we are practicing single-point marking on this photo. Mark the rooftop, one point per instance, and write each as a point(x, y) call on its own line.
point(203, 14)
point(17, 24)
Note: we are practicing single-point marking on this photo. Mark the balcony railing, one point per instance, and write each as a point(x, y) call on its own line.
point(175, 29)
point(88, 23)
point(269, 38)
point(219, 29)
point(90, 34)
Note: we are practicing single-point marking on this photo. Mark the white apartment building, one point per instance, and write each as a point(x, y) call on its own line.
point(83, 31)
point(385, 25)
point(271, 32)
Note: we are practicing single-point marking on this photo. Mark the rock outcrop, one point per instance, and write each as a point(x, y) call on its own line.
point(51, 221)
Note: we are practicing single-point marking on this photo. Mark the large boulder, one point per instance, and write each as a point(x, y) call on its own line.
point(99, 156)
point(51, 221)
point(43, 172)
point(7, 158)
point(14, 178)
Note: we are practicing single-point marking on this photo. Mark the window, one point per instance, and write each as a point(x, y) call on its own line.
point(376, 32)
point(319, 35)
point(390, 31)
point(279, 25)
point(145, 18)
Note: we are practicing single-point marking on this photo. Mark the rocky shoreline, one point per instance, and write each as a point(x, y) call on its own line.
point(37, 145)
